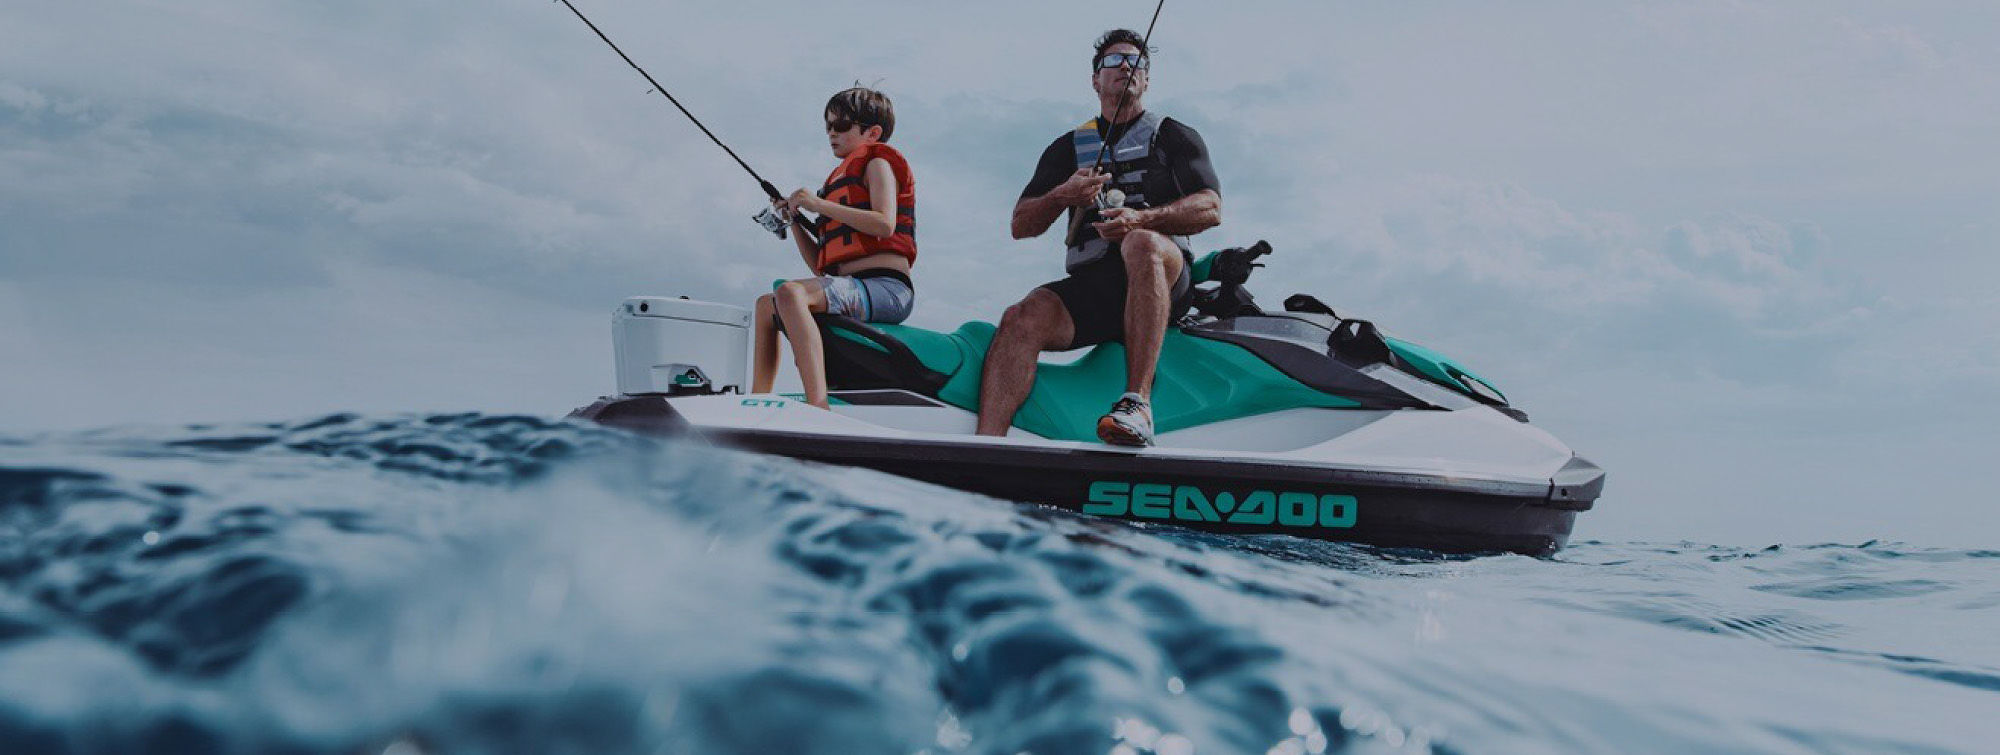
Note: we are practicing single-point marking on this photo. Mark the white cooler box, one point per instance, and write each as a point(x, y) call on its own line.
point(680, 346)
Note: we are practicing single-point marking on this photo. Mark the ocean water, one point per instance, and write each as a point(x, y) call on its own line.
point(480, 583)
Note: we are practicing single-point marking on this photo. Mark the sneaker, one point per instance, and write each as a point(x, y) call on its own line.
point(1130, 422)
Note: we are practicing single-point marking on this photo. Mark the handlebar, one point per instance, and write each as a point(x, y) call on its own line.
point(1233, 266)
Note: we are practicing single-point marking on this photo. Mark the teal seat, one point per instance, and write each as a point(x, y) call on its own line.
point(1198, 381)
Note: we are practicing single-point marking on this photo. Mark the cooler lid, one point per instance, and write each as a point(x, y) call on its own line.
point(683, 308)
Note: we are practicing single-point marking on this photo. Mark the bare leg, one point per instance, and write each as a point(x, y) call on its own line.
point(764, 354)
point(1037, 324)
point(797, 300)
point(1152, 264)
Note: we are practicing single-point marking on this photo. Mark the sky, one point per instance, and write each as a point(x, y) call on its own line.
point(1739, 252)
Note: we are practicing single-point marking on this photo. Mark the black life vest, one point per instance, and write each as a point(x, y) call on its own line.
point(1137, 168)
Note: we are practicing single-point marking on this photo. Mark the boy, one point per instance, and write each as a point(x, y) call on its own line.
point(867, 241)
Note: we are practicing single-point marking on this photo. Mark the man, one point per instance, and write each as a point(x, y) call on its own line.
point(1127, 266)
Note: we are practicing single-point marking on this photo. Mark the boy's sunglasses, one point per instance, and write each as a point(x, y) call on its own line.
point(838, 125)
point(1116, 59)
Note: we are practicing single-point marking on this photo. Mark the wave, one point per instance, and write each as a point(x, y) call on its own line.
point(471, 582)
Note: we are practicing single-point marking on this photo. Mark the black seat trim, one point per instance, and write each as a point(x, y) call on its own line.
point(853, 366)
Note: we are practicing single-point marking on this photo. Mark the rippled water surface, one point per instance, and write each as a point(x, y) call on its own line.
point(472, 583)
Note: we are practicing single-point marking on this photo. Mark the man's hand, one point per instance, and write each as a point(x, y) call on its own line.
point(1080, 188)
point(1118, 221)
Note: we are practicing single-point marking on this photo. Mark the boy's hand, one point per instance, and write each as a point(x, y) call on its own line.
point(803, 200)
point(1080, 188)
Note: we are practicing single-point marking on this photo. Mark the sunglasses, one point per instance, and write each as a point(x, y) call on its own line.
point(838, 125)
point(1116, 59)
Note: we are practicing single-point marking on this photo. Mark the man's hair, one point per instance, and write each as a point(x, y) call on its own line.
point(1117, 36)
point(864, 106)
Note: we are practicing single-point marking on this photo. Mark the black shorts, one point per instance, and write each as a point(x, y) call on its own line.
point(1094, 294)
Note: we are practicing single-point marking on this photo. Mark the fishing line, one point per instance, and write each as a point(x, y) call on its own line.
point(1145, 51)
point(770, 190)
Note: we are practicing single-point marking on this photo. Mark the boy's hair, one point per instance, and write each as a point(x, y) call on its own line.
point(1117, 36)
point(864, 106)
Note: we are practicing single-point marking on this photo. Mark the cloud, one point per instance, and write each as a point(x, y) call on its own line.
point(365, 338)
point(525, 157)
point(1890, 48)
point(1499, 264)
point(21, 98)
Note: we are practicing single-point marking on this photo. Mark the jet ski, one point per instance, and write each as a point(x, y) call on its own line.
point(1296, 421)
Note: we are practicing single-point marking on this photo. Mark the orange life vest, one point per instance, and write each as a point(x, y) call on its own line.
point(848, 185)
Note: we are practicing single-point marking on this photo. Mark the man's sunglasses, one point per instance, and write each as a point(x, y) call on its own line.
point(1116, 59)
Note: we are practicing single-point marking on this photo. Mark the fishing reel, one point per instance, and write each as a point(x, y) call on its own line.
point(1105, 200)
point(772, 221)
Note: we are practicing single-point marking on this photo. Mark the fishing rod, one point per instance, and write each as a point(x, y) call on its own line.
point(766, 218)
point(1115, 197)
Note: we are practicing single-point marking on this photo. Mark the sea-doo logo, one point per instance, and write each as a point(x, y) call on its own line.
point(767, 403)
point(1187, 503)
